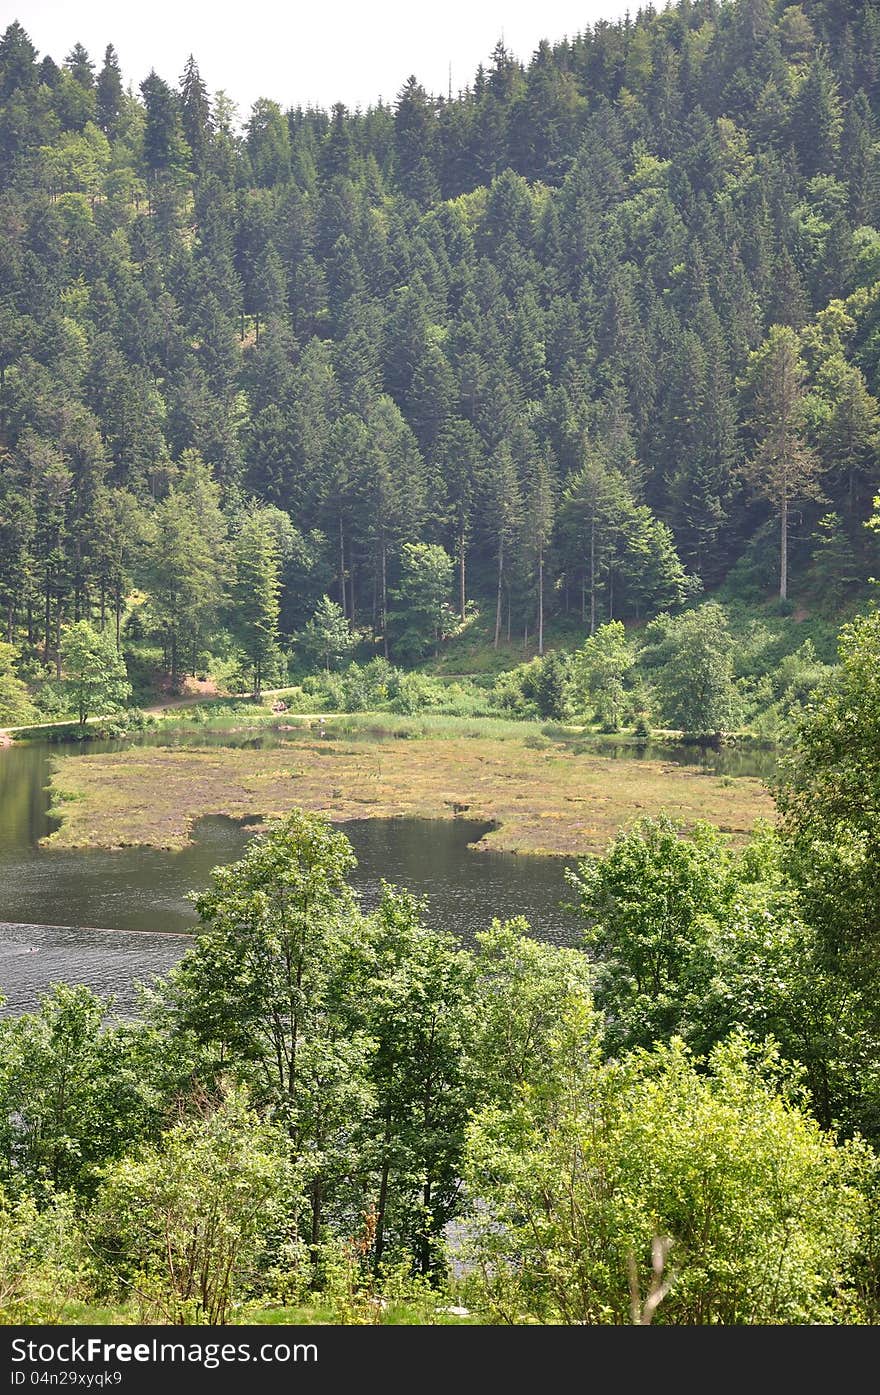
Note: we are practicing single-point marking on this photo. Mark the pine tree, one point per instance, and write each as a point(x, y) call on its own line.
point(782, 468)
point(195, 111)
point(254, 593)
point(164, 146)
point(80, 66)
point(590, 511)
point(109, 92)
point(539, 511)
point(504, 502)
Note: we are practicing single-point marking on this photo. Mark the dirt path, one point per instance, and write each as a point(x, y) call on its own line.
point(158, 709)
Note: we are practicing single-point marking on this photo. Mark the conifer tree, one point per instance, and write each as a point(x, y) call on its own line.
point(783, 468)
point(108, 91)
point(254, 593)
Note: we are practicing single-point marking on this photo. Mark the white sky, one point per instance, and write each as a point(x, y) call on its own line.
point(308, 53)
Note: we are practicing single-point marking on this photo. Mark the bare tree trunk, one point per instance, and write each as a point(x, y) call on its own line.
point(541, 600)
point(783, 550)
point(341, 567)
point(384, 602)
point(593, 576)
point(317, 1190)
point(382, 1205)
point(461, 579)
point(498, 599)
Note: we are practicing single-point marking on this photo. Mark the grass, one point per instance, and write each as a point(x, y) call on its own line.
point(540, 795)
point(357, 1311)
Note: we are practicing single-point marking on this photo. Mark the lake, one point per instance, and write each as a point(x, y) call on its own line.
point(111, 918)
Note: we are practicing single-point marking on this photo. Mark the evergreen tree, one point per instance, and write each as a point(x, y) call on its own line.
point(108, 91)
point(195, 112)
point(164, 146)
point(80, 66)
point(254, 593)
point(783, 467)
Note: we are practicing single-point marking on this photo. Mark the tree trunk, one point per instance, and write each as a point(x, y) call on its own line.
point(498, 600)
point(317, 1207)
point(541, 600)
point(342, 568)
point(783, 550)
point(47, 630)
point(384, 601)
point(462, 599)
point(383, 1193)
point(424, 1243)
point(593, 576)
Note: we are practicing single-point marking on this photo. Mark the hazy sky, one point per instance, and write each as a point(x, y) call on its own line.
point(308, 53)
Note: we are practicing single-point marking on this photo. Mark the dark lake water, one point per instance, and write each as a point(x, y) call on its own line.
point(111, 918)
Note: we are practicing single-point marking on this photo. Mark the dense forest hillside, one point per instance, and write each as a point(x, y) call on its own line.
point(589, 338)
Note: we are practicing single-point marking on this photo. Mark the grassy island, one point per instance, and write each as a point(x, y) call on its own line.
point(542, 795)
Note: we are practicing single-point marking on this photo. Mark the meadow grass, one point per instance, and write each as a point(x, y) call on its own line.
point(540, 794)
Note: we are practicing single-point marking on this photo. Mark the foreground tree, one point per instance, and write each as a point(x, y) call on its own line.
point(75, 1092)
point(184, 1225)
point(827, 793)
point(647, 905)
point(578, 1185)
point(418, 997)
point(267, 986)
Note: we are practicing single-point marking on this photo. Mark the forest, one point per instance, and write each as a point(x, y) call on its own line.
point(586, 341)
point(554, 398)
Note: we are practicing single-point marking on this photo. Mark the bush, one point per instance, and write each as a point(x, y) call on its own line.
point(186, 1223)
point(541, 688)
point(413, 692)
point(41, 1258)
point(577, 1189)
